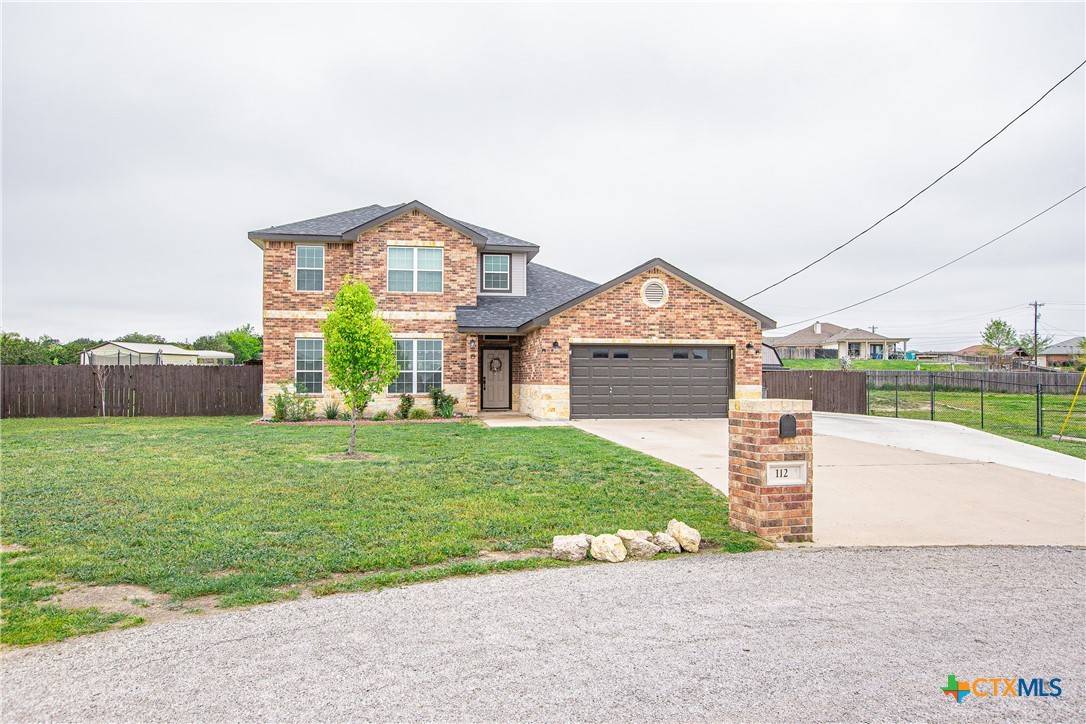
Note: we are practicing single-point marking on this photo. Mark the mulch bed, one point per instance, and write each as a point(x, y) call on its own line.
point(363, 422)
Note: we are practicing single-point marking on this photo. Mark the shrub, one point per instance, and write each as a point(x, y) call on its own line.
point(331, 410)
point(403, 410)
point(292, 406)
point(420, 414)
point(444, 404)
point(279, 403)
point(380, 415)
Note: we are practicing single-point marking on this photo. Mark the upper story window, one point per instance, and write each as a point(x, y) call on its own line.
point(310, 268)
point(496, 275)
point(415, 269)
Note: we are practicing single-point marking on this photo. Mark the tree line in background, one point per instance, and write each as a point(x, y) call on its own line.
point(15, 349)
point(1000, 337)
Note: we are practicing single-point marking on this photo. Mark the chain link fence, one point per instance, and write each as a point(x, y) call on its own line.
point(1003, 407)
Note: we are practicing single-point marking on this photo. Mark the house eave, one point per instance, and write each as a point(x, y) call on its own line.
point(259, 238)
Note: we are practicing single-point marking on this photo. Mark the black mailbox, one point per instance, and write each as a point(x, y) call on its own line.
point(788, 426)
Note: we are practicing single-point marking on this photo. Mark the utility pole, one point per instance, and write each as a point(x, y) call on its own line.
point(873, 328)
point(1036, 315)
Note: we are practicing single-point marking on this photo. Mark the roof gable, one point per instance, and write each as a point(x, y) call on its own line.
point(671, 269)
point(352, 233)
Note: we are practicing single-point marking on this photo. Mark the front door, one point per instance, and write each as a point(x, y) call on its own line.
point(496, 379)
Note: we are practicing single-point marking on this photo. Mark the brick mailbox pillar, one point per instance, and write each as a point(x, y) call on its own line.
point(770, 469)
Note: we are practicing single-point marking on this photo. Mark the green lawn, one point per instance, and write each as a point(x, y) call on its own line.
point(871, 364)
point(1012, 416)
point(197, 506)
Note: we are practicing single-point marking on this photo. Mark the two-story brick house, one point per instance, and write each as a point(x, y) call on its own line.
point(472, 313)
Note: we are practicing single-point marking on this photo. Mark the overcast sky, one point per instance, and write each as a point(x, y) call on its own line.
point(142, 142)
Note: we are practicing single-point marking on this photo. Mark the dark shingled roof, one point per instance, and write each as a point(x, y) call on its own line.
point(547, 288)
point(332, 224)
point(342, 222)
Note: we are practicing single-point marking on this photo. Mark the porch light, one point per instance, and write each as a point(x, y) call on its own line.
point(471, 344)
point(555, 346)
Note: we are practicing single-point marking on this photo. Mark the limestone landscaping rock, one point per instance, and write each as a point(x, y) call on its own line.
point(640, 548)
point(628, 535)
point(570, 547)
point(608, 548)
point(666, 543)
point(688, 538)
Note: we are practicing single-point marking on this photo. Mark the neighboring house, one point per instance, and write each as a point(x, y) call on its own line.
point(141, 353)
point(770, 359)
point(823, 339)
point(1061, 354)
point(472, 313)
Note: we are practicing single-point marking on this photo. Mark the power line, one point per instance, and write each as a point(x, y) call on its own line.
point(938, 268)
point(914, 196)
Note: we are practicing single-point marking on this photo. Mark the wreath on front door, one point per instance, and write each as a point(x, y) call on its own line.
point(495, 365)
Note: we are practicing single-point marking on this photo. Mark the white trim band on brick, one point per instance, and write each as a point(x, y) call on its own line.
point(438, 316)
point(295, 314)
point(418, 335)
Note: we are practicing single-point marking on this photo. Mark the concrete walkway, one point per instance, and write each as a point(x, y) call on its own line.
point(784, 636)
point(507, 418)
point(889, 494)
point(945, 438)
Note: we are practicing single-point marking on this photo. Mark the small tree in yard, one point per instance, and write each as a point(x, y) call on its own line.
point(358, 349)
point(999, 336)
point(1027, 345)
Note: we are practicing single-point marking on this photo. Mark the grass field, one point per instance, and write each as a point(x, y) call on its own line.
point(871, 364)
point(197, 507)
point(1012, 416)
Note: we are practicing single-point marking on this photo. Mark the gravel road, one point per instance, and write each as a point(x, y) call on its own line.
point(791, 635)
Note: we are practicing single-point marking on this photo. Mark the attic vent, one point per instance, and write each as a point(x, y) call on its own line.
point(654, 293)
point(416, 212)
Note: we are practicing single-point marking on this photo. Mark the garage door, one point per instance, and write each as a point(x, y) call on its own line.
point(650, 381)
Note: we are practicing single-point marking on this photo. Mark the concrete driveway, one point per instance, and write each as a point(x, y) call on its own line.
point(793, 635)
point(887, 482)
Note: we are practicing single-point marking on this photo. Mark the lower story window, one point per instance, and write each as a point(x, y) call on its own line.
point(309, 366)
point(420, 366)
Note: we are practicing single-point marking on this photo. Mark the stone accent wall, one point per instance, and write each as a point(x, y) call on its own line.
point(759, 504)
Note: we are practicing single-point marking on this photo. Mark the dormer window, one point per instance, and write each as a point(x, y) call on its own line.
point(415, 269)
point(496, 275)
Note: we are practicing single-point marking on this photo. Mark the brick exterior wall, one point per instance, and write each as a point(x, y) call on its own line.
point(621, 316)
point(780, 513)
point(289, 313)
point(540, 374)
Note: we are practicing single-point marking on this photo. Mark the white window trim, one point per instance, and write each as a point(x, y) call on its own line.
point(414, 339)
point(508, 274)
point(296, 370)
point(297, 268)
point(414, 269)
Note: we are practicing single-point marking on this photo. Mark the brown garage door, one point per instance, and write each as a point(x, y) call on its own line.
point(650, 381)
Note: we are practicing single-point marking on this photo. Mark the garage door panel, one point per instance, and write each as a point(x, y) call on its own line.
point(650, 381)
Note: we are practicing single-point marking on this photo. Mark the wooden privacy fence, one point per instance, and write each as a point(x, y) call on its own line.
point(993, 381)
point(829, 390)
point(147, 390)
